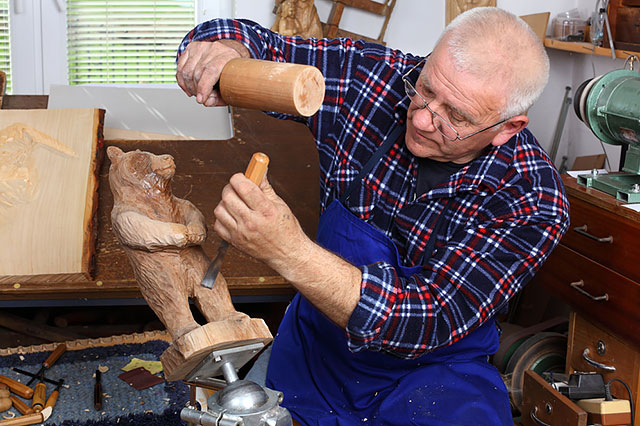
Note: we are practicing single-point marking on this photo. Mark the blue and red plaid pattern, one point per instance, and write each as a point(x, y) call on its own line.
point(505, 211)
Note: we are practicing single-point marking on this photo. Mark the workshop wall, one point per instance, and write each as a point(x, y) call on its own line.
point(414, 27)
point(416, 24)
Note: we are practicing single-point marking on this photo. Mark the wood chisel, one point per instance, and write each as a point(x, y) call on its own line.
point(255, 172)
point(20, 405)
point(53, 357)
point(53, 398)
point(29, 419)
point(17, 387)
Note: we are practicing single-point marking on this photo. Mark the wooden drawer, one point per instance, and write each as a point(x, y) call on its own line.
point(542, 403)
point(621, 254)
point(607, 349)
point(620, 312)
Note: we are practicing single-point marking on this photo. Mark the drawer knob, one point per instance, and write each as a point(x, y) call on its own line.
point(535, 418)
point(582, 230)
point(577, 286)
point(585, 356)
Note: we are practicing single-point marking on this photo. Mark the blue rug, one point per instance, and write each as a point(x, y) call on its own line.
point(121, 403)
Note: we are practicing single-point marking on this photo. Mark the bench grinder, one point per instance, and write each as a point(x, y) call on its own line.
point(610, 106)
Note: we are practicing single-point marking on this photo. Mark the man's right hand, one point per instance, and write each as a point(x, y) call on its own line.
point(200, 66)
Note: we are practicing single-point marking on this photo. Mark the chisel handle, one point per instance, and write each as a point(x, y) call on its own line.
point(29, 419)
point(17, 387)
point(53, 398)
point(257, 167)
point(39, 395)
point(19, 405)
point(54, 355)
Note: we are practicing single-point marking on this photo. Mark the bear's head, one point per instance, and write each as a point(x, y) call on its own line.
point(139, 171)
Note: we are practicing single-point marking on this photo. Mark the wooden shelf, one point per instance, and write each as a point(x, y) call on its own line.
point(587, 48)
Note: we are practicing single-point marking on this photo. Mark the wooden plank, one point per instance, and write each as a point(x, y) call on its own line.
point(586, 48)
point(49, 192)
point(367, 5)
point(30, 328)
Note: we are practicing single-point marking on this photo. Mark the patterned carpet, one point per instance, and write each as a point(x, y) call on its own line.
point(122, 404)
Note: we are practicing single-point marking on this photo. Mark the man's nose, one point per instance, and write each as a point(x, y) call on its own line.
point(423, 120)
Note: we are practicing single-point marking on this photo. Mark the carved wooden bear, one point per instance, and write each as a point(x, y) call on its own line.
point(162, 236)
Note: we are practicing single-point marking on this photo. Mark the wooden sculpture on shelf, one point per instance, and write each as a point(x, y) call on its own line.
point(297, 18)
point(162, 236)
point(456, 7)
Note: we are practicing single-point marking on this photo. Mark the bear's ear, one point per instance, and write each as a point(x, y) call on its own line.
point(114, 153)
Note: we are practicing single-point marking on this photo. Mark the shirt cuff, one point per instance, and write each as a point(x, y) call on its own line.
point(378, 293)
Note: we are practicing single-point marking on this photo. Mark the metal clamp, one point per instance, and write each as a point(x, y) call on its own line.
point(582, 230)
point(535, 418)
point(577, 286)
point(585, 356)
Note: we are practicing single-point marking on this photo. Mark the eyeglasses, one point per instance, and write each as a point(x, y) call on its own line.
point(441, 124)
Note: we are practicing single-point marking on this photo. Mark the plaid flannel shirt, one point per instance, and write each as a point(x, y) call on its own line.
point(505, 211)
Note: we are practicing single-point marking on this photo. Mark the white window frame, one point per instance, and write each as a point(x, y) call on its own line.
point(38, 46)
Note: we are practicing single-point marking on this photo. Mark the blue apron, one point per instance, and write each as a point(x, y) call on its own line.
point(326, 384)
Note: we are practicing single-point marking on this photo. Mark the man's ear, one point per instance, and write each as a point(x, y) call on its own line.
point(510, 128)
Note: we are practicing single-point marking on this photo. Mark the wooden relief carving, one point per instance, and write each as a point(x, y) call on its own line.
point(297, 18)
point(456, 7)
point(162, 236)
point(19, 180)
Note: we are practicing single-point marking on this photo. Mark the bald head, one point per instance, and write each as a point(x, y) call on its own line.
point(497, 47)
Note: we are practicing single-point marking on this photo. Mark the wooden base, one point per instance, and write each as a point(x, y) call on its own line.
point(186, 352)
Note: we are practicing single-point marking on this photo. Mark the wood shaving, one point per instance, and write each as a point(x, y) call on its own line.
point(148, 411)
point(103, 368)
point(6, 416)
point(21, 359)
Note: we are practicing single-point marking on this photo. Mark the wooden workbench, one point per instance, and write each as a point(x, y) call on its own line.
point(203, 168)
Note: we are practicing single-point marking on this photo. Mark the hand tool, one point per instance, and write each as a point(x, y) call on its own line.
point(255, 172)
point(17, 387)
point(46, 379)
point(97, 392)
point(53, 357)
point(20, 405)
point(272, 86)
point(39, 395)
point(53, 398)
point(29, 419)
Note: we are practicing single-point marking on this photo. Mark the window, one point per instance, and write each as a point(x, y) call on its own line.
point(125, 41)
point(46, 33)
point(5, 56)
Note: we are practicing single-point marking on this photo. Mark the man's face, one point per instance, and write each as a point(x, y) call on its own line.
point(466, 102)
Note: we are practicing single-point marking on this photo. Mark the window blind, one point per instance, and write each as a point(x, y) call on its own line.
point(5, 55)
point(125, 41)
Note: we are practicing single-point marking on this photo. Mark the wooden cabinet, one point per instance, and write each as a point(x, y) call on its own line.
point(596, 270)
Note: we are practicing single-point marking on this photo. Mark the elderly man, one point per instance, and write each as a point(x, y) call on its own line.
point(437, 203)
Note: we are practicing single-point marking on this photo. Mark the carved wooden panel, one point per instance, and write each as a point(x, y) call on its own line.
point(48, 192)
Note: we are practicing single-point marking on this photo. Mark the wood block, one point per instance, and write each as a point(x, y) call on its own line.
point(186, 352)
point(48, 193)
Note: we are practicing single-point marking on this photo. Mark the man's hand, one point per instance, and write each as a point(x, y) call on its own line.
point(258, 222)
point(200, 66)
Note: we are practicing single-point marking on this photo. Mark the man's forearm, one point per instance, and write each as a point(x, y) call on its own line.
point(329, 282)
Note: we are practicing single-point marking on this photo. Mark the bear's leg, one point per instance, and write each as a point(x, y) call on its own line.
point(163, 284)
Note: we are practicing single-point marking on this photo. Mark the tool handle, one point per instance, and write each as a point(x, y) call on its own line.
point(17, 387)
point(29, 419)
point(257, 167)
point(39, 395)
point(272, 86)
point(97, 392)
point(20, 405)
point(54, 355)
point(53, 398)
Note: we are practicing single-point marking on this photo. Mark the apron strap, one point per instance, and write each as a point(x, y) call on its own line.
point(375, 158)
